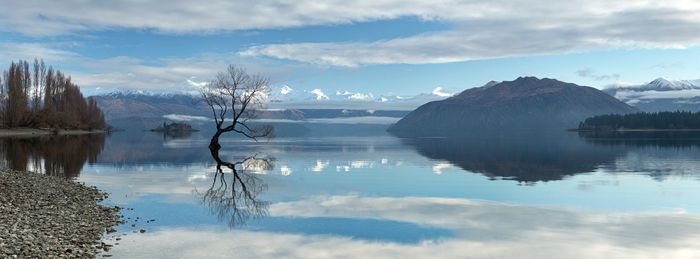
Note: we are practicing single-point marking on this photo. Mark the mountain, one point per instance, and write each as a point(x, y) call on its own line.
point(527, 103)
point(660, 95)
point(119, 105)
point(137, 111)
point(660, 84)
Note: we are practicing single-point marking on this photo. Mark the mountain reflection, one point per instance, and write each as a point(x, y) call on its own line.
point(53, 155)
point(235, 200)
point(520, 157)
point(664, 139)
point(174, 134)
point(138, 148)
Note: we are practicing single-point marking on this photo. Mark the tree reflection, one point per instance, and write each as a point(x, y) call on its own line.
point(53, 155)
point(235, 200)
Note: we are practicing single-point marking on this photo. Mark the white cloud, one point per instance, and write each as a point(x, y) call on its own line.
point(285, 90)
point(512, 28)
point(590, 73)
point(128, 73)
point(191, 16)
point(478, 29)
point(319, 94)
point(13, 51)
point(439, 92)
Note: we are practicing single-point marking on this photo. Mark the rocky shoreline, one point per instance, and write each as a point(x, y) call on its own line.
point(44, 216)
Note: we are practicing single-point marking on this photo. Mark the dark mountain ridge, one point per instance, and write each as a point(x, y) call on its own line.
point(527, 103)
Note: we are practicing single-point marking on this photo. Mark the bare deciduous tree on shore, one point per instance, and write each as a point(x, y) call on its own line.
point(235, 97)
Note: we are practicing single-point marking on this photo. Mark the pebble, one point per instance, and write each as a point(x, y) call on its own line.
point(44, 216)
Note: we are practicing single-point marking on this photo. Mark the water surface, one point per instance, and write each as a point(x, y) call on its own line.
point(379, 196)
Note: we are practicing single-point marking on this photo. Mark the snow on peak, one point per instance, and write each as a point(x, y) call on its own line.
point(361, 96)
point(663, 84)
point(439, 92)
point(320, 95)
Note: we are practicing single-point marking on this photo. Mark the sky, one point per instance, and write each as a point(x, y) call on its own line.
point(355, 50)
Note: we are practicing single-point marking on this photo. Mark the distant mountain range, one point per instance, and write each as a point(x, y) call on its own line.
point(512, 104)
point(142, 111)
point(128, 104)
point(527, 103)
point(660, 95)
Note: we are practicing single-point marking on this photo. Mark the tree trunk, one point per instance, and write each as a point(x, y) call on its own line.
point(214, 143)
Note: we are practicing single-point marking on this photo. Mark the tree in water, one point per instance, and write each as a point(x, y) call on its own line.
point(235, 97)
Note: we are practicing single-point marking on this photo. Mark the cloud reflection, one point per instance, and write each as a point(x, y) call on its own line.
point(483, 230)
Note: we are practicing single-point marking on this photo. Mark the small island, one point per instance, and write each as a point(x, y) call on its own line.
point(175, 128)
point(643, 121)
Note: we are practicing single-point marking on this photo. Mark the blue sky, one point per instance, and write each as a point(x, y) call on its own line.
point(377, 48)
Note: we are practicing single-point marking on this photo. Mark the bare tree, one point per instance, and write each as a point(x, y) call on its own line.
point(235, 97)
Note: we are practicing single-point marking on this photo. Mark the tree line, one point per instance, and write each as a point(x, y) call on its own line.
point(37, 96)
point(643, 120)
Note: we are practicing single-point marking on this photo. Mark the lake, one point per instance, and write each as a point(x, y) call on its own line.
point(525, 196)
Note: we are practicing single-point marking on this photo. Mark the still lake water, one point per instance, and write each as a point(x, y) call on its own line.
point(552, 196)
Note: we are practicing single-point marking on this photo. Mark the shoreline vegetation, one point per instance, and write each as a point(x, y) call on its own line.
point(37, 96)
point(45, 216)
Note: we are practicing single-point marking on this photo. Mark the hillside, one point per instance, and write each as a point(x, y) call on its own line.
point(527, 103)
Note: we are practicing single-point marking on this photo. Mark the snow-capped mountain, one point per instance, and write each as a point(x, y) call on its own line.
point(663, 84)
point(285, 97)
point(141, 110)
point(661, 94)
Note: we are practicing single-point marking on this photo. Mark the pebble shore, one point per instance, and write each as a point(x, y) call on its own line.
point(51, 217)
